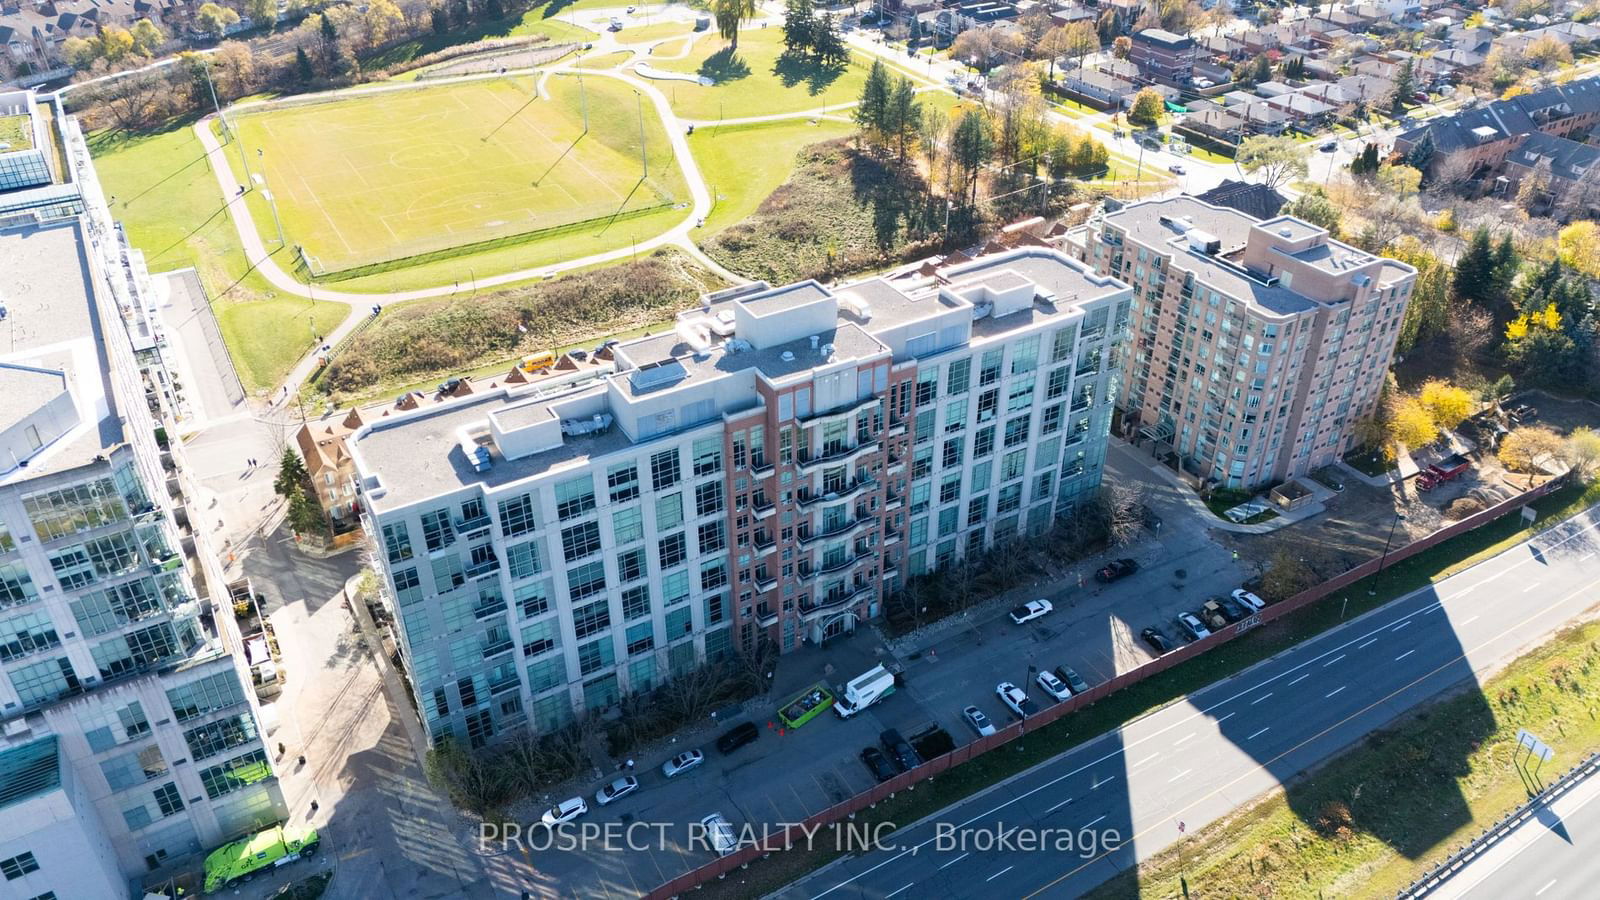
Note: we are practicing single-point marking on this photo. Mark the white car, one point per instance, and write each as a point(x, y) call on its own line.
point(564, 812)
point(719, 834)
point(1193, 627)
point(1053, 686)
point(616, 24)
point(1249, 599)
point(616, 790)
point(1031, 610)
point(1175, 169)
point(682, 763)
point(979, 722)
point(1016, 699)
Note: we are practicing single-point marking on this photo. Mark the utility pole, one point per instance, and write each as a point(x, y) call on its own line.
point(226, 127)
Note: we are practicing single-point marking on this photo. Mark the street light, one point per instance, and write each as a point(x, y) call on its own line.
point(1398, 518)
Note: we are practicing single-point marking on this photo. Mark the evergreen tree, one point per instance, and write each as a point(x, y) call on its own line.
point(1474, 268)
point(872, 112)
point(971, 147)
point(1405, 84)
point(903, 116)
point(1422, 154)
point(493, 10)
point(440, 20)
point(798, 23)
point(1503, 271)
point(302, 65)
point(1262, 70)
point(329, 33)
point(826, 41)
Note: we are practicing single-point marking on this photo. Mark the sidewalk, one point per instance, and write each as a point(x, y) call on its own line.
point(1185, 494)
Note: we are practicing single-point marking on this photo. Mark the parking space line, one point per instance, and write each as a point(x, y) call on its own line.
point(1259, 733)
point(1335, 691)
point(954, 861)
point(1146, 761)
point(1549, 884)
point(796, 792)
point(1332, 661)
point(1468, 621)
point(998, 874)
point(1226, 717)
point(1260, 698)
point(1098, 782)
point(1404, 655)
point(1586, 557)
point(1367, 644)
point(1094, 820)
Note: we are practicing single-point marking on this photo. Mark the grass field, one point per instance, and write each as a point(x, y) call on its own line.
point(605, 60)
point(473, 161)
point(641, 34)
point(16, 133)
point(166, 197)
point(743, 164)
point(754, 81)
point(559, 31)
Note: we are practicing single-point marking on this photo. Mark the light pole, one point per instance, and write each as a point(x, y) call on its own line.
point(232, 135)
point(271, 201)
point(1398, 518)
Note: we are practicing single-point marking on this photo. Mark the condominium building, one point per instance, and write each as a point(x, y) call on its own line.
point(1163, 55)
point(770, 470)
point(128, 738)
point(1257, 345)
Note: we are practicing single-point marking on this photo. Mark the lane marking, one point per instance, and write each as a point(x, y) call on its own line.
point(1179, 741)
point(1586, 557)
point(1260, 698)
point(998, 874)
point(900, 891)
point(1094, 820)
point(1259, 733)
point(1401, 625)
point(1404, 655)
point(1531, 587)
point(954, 861)
point(1179, 775)
point(1367, 644)
point(1548, 885)
point(1298, 680)
point(1058, 806)
point(1146, 761)
point(1469, 621)
point(1334, 691)
point(1332, 661)
point(1227, 717)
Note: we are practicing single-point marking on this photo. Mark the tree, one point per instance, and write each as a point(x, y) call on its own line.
point(302, 65)
point(1410, 424)
point(116, 43)
point(1405, 84)
point(1277, 159)
point(1147, 107)
point(1428, 313)
point(440, 20)
point(798, 20)
point(1527, 449)
point(1447, 404)
point(79, 53)
point(213, 18)
point(974, 47)
point(730, 14)
point(871, 114)
point(1122, 47)
point(291, 474)
point(1583, 452)
point(1579, 247)
point(903, 117)
point(1314, 206)
point(261, 12)
point(1547, 52)
point(971, 148)
point(1400, 181)
point(1420, 156)
point(1261, 69)
point(235, 67)
point(383, 21)
point(826, 41)
point(1474, 275)
point(146, 37)
point(329, 31)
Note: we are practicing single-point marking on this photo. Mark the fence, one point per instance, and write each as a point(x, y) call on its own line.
point(797, 833)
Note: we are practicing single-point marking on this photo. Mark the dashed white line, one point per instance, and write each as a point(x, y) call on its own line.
point(1260, 698)
point(900, 890)
point(1098, 782)
point(1531, 587)
point(1367, 644)
point(1300, 679)
point(1547, 887)
point(1146, 761)
point(1332, 661)
point(1092, 821)
point(1401, 625)
point(1586, 557)
point(1179, 741)
point(1058, 806)
point(1468, 621)
point(1335, 691)
point(1225, 718)
point(1404, 655)
point(1259, 733)
point(999, 873)
point(1179, 775)
point(954, 861)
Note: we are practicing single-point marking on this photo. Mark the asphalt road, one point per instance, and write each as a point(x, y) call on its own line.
point(1179, 769)
point(1551, 856)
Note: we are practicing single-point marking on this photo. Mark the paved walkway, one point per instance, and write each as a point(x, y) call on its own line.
point(1186, 495)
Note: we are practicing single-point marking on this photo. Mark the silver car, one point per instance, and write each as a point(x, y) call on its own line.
point(616, 790)
point(979, 722)
point(682, 763)
point(719, 834)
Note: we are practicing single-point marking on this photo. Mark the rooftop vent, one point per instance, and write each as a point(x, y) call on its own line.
point(596, 423)
point(1285, 231)
point(1204, 242)
point(660, 375)
point(787, 356)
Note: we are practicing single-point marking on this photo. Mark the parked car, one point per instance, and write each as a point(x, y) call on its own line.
point(1249, 599)
point(564, 812)
point(682, 763)
point(1329, 146)
point(1236, 610)
point(1156, 639)
point(1016, 699)
point(616, 24)
point(979, 722)
point(1176, 169)
point(719, 834)
point(1031, 610)
point(1117, 568)
point(1053, 686)
point(878, 764)
point(616, 790)
point(1192, 627)
point(900, 750)
point(738, 736)
point(1072, 678)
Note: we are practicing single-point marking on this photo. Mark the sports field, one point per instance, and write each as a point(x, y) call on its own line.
point(393, 174)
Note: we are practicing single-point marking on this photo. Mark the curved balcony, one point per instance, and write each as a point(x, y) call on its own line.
point(861, 482)
point(807, 462)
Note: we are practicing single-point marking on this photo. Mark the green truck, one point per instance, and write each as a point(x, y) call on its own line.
point(238, 862)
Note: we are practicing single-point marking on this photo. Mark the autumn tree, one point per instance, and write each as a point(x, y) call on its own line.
point(1529, 448)
point(1147, 107)
point(1410, 424)
point(146, 37)
point(1447, 404)
point(1277, 160)
point(1122, 47)
point(113, 44)
point(1578, 246)
point(213, 18)
point(1314, 206)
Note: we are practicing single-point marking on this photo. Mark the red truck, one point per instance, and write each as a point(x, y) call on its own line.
point(1447, 469)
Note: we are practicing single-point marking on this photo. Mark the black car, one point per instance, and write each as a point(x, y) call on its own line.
point(1117, 568)
point(738, 736)
point(881, 768)
point(1157, 641)
point(1070, 677)
point(900, 750)
point(1235, 610)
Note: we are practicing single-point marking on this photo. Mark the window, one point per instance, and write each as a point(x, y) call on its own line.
point(641, 637)
point(1050, 421)
point(672, 550)
point(16, 585)
point(80, 565)
point(574, 497)
point(596, 655)
point(407, 586)
point(713, 574)
point(635, 602)
point(241, 771)
point(204, 696)
point(516, 516)
point(927, 386)
point(18, 866)
point(541, 637)
point(669, 512)
point(949, 520)
point(623, 481)
point(631, 564)
point(586, 580)
point(990, 371)
point(950, 488)
point(1061, 344)
point(983, 442)
point(707, 456)
point(448, 574)
point(955, 415)
point(397, 541)
point(664, 469)
point(976, 507)
point(98, 612)
point(1025, 355)
point(980, 477)
point(1013, 464)
point(25, 634)
point(679, 623)
point(953, 452)
point(958, 376)
point(437, 532)
point(1010, 499)
point(921, 463)
point(580, 540)
point(712, 537)
point(524, 560)
point(44, 680)
point(224, 734)
point(79, 507)
point(708, 498)
point(627, 526)
point(1017, 430)
point(675, 588)
point(1060, 381)
point(591, 619)
point(715, 609)
point(533, 599)
point(546, 674)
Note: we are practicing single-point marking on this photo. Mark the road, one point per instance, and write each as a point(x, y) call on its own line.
point(1551, 856)
point(1177, 770)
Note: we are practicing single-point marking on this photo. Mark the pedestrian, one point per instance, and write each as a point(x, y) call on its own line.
point(280, 748)
point(314, 806)
point(630, 765)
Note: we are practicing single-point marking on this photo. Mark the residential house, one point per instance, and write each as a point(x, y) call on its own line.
point(1567, 172)
point(1097, 87)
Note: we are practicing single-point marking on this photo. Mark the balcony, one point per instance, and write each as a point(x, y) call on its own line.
point(766, 615)
point(843, 529)
point(843, 563)
point(765, 583)
point(476, 523)
point(890, 536)
point(762, 507)
point(847, 493)
point(807, 461)
point(760, 468)
point(480, 569)
point(838, 600)
point(764, 543)
point(497, 648)
point(892, 501)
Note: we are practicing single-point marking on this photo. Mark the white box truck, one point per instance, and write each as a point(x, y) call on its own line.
point(863, 691)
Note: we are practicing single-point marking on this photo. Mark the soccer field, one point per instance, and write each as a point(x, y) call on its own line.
point(392, 174)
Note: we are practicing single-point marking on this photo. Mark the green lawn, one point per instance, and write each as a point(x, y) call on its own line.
point(560, 31)
point(16, 132)
point(605, 60)
point(743, 164)
point(166, 197)
point(754, 81)
point(393, 174)
point(642, 34)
